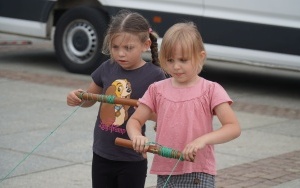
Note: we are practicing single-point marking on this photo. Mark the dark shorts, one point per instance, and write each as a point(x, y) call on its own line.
point(118, 174)
point(192, 180)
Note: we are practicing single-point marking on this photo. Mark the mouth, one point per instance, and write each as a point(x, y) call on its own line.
point(178, 74)
point(122, 61)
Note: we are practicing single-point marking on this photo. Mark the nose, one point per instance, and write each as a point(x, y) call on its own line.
point(176, 65)
point(121, 53)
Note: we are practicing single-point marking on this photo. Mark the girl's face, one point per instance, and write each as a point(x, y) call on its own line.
point(182, 68)
point(127, 49)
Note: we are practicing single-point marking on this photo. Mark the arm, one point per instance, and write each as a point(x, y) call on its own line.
point(230, 130)
point(73, 100)
point(153, 116)
point(134, 127)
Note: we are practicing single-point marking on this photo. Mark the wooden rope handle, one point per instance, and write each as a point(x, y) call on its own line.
point(152, 148)
point(128, 144)
point(105, 98)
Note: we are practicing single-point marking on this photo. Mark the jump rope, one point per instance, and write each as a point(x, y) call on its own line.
point(154, 148)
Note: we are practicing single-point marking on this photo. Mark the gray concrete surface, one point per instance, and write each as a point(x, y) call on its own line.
point(51, 143)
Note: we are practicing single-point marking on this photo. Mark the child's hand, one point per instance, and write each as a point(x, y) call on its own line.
point(191, 149)
point(139, 144)
point(72, 99)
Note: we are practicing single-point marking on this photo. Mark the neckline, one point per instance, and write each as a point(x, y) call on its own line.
point(185, 87)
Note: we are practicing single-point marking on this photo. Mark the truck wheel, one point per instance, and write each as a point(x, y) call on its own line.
point(78, 39)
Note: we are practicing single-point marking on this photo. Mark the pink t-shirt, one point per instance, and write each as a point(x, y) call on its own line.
point(184, 114)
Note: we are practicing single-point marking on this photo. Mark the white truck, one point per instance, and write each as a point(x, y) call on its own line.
point(256, 32)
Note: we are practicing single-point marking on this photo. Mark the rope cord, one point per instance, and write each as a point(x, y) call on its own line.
point(166, 152)
point(110, 99)
point(1, 180)
point(100, 98)
point(180, 159)
point(163, 151)
point(169, 153)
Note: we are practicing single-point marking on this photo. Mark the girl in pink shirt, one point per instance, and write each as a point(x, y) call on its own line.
point(185, 105)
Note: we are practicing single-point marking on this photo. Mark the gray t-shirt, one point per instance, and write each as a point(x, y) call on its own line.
point(112, 118)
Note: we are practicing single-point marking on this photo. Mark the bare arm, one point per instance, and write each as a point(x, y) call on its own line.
point(73, 100)
point(153, 115)
point(230, 130)
point(134, 127)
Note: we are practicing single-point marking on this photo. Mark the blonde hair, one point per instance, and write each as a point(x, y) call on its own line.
point(188, 37)
point(133, 23)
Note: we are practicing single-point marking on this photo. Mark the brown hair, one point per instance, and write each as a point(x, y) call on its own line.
point(188, 37)
point(133, 23)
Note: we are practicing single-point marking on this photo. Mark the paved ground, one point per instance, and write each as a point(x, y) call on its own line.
point(33, 105)
point(281, 170)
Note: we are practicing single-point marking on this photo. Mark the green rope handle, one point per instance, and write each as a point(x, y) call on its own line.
point(81, 95)
point(100, 98)
point(110, 99)
point(167, 152)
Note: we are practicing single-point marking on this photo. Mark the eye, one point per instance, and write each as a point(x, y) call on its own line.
point(128, 48)
point(183, 60)
point(170, 60)
point(115, 47)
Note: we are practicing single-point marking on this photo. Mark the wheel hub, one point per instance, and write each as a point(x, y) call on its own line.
point(80, 41)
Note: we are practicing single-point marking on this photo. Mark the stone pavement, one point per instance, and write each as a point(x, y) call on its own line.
point(280, 170)
point(32, 104)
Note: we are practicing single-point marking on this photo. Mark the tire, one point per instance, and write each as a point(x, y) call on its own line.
point(78, 39)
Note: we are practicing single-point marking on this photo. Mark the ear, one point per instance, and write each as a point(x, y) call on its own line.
point(202, 55)
point(147, 45)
